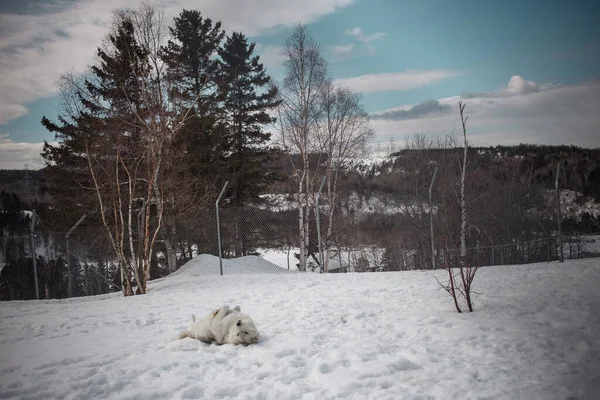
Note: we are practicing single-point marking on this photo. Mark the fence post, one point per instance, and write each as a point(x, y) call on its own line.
point(69, 272)
point(558, 216)
point(32, 240)
point(493, 255)
point(319, 223)
point(431, 217)
point(219, 228)
point(548, 249)
point(69, 265)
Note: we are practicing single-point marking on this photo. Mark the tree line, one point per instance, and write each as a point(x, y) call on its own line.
point(164, 116)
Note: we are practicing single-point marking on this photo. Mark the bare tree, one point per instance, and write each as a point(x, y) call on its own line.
point(461, 279)
point(342, 134)
point(306, 77)
point(463, 201)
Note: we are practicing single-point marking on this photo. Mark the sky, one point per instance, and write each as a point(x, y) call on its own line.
point(528, 71)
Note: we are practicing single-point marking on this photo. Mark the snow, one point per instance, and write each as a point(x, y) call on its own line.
point(282, 258)
point(206, 264)
point(574, 204)
point(360, 204)
point(392, 335)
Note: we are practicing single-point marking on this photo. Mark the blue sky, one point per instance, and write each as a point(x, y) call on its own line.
point(532, 68)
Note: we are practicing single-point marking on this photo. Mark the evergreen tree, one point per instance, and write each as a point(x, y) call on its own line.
point(390, 260)
point(190, 58)
point(97, 117)
point(247, 96)
point(112, 135)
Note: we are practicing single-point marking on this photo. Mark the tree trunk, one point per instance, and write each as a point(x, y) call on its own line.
point(463, 202)
point(302, 226)
point(171, 256)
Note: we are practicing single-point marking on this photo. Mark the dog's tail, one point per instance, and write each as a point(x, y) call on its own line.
point(183, 335)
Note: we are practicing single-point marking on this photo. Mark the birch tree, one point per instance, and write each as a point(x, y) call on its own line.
point(342, 134)
point(306, 77)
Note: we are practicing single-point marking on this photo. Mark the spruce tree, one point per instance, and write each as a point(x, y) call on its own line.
point(97, 113)
point(190, 58)
point(247, 96)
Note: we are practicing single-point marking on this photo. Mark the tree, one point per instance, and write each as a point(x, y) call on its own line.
point(460, 282)
point(342, 134)
point(116, 129)
point(306, 77)
point(190, 56)
point(247, 97)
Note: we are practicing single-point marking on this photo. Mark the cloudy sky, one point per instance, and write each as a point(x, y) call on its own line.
point(528, 70)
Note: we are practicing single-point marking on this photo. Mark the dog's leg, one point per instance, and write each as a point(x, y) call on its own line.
point(183, 335)
point(216, 329)
point(221, 314)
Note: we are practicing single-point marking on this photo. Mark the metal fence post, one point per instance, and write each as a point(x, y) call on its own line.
point(319, 223)
point(219, 228)
point(431, 217)
point(69, 272)
point(69, 265)
point(33, 256)
point(558, 215)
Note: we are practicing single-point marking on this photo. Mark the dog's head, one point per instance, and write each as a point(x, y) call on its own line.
point(244, 332)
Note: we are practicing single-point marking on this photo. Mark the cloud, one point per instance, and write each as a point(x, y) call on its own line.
point(522, 112)
point(426, 108)
point(348, 51)
point(361, 47)
point(361, 37)
point(270, 56)
point(35, 49)
point(410, 79)
point(16, 155)
point(343, 49)
point(11, 111)
point(516, 86)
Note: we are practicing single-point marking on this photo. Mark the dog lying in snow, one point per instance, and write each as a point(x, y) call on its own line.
point(223, 325)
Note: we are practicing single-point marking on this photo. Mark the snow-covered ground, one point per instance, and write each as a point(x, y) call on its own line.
point(534, 335)
point(206, 264)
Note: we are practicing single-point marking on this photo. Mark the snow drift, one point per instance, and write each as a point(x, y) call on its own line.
point(206, 264)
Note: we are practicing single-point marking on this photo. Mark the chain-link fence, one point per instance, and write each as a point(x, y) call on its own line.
point(32, 266)
point(358, 232)
point(401, 232)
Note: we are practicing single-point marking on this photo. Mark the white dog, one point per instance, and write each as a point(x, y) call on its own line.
point(222, 326)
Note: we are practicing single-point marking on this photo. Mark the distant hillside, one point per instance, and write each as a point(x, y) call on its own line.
point(24, 183)
point(580, 166)
point(580, 169)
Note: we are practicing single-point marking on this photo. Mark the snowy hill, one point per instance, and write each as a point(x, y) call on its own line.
point(206, 264)
point(345, 336)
